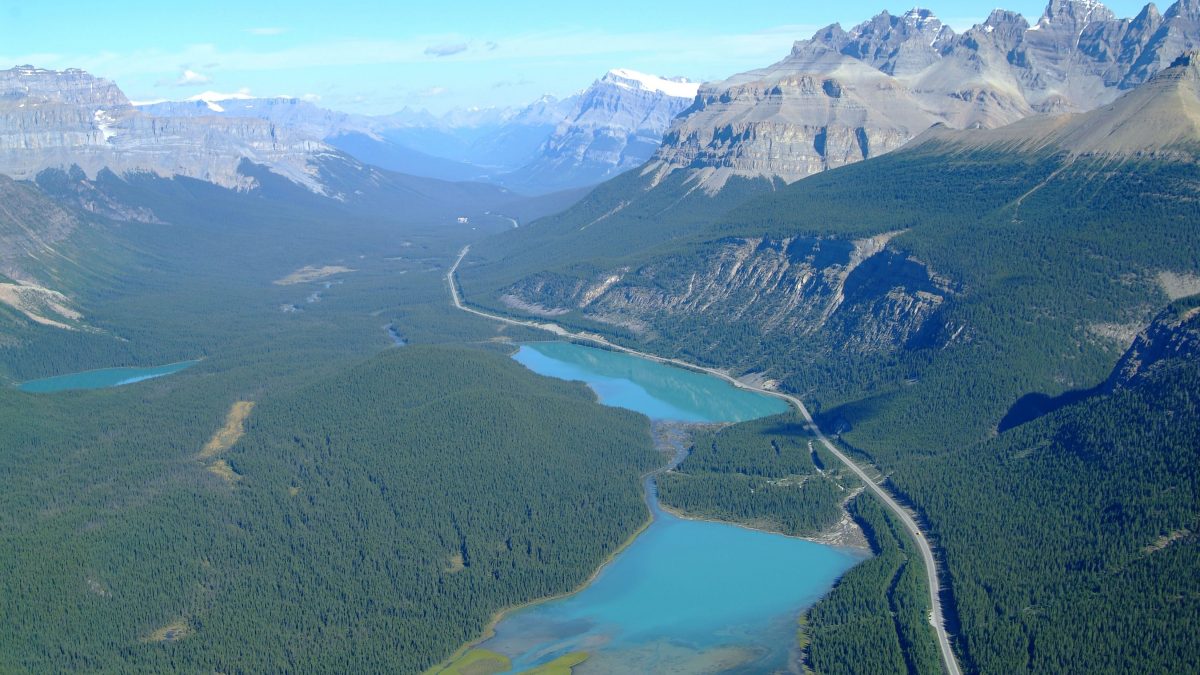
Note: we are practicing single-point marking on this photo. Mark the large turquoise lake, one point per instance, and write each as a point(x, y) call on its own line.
point(659, 391)
point(686, 596)
point(101, 379)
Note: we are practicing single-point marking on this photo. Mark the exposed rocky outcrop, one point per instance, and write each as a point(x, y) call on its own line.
point(1158, 118)
point(877, 298)
point(843, 96)
point(1174, 334)
point(34, 235)
point(56, 120)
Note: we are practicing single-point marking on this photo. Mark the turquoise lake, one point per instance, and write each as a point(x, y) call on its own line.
point(101, 379)
point(686, 596)
point(659, 391)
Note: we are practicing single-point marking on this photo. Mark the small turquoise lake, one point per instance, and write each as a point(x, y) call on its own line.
point(657, 390)
point(686, 596)
point(101, 379)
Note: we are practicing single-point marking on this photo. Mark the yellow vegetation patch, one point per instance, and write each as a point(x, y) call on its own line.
point(221, 468)
point(293, 490)
point(176, 630)
point(1166, 540)
point(310, 273)
point(456, 564)
point(235, 426)
point(478, 662)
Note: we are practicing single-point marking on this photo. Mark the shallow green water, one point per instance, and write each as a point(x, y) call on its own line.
point(657, 390)
point(101, 379)
point(687, 596)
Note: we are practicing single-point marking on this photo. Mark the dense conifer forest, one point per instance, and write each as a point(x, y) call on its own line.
point(383, 503)
point(1043, 491)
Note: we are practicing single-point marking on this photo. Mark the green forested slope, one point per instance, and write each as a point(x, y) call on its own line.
point(1071, 540)
point(382, 515)
point(1036, 268)
point(384, 501)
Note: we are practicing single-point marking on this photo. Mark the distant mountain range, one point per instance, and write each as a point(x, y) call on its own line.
point(52, 119)
point(614, 125)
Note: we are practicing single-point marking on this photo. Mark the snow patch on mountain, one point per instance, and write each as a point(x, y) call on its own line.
point(632, 79)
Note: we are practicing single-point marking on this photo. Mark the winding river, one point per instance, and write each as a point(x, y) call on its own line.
point(686, 596)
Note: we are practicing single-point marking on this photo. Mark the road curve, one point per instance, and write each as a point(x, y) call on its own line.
point(936, 619)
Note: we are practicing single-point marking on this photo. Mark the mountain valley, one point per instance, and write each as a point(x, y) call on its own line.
point(438, 392)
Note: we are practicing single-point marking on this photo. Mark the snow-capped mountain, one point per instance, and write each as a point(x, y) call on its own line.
point(615, 125)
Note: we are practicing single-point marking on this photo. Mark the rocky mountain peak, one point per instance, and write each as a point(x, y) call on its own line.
point(1189, 9)
point(1075, 12)
point(896, 45)
point(922, 19)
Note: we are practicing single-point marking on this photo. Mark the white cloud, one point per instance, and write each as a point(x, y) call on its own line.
point(446, 49)
point(432, 91)
point(190, 77)
point(683, 48)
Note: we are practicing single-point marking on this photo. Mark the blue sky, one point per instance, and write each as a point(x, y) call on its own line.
point(377, 57)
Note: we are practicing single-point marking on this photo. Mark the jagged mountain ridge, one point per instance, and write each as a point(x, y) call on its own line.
point(857, 291)
point(1160, 116)
point(843, 96)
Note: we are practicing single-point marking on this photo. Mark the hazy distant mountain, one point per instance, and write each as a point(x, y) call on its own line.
point(843, 96)
point(496, 140)
point(550, 144)
point(298, 115)
point(52, 119)
point(616, 125)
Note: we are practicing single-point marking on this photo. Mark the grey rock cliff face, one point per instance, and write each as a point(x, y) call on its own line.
point(51, 119)
point(874, 297)
point(1174, 334)
point(615, 125)
point(843, 96)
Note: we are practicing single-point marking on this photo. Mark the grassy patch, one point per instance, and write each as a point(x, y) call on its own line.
point(560, 666)
point(172, 632)
point(479, 662)
point(235, 426)
point(222, 469)
point(310, 273)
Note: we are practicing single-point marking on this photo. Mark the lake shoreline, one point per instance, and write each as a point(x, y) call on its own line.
point(672, 439)
point(489, 630)
point(834, 536)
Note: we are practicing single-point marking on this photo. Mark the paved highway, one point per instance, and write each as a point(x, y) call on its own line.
point(936, 618)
